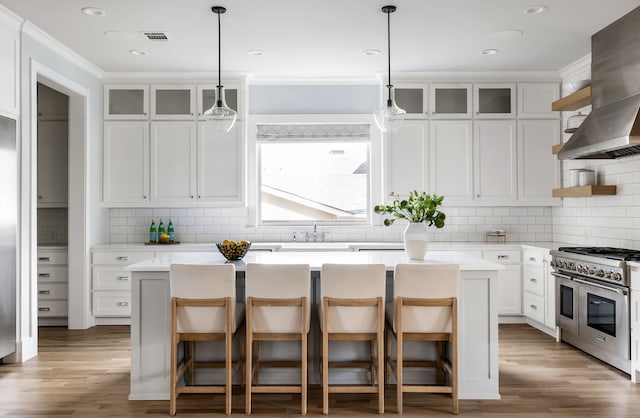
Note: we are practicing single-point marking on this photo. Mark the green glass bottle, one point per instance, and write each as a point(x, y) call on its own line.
point(153, 232)
point(160, 228)
point(171, 232)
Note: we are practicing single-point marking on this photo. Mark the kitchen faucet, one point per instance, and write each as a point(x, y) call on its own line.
point(315, 232)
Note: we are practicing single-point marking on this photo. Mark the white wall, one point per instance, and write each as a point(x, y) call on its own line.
point(601, 220)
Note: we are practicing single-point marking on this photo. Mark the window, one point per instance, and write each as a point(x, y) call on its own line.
point(314, 173)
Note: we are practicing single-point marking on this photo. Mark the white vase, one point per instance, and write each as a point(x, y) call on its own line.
point(415, 240)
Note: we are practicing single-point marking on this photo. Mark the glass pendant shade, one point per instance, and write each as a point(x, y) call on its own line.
point(220, 115)
point(389, 117)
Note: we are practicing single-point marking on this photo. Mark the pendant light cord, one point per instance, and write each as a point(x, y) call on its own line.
point(389, 86)
point(219, 102)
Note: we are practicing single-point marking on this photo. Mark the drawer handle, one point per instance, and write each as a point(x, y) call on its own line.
point(44, 292)
point(44, 309)
point(533, 280)
point(44, 275)
point(125, 278)
point(44, 258)
point(503, 257)
point(122, 258)
point(532, 259)
point(534, 307)
point(122, 304)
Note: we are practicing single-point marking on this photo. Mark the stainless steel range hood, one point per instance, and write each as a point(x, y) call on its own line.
point(612, 129)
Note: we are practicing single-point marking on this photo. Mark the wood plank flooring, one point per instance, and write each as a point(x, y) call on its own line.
point(86, 374)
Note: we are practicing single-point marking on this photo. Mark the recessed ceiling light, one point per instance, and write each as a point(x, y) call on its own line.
point(506, 34)
point(120, 35)
point(137, 52)
point(371, 52)
point(537, 9)
point(93, 11)
point(256, 52)
point(489, 51)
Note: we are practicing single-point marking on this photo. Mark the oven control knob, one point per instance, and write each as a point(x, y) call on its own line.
point(600, 273)
point(617, 277)
point(579, 268)
point(572, 267)
point(592, 272)
point(564, 265)
point(608, 274)
point(553, 263)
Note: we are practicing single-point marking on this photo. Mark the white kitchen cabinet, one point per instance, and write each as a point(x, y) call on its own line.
point(451, 160)
point(9, 69)
point(173, 101)
point(406, 158)
point(126, 163)
point(53, 159)
point(549, 293)
point(534, 100)
point(635, 322)
point(173, 162)
point(220, 169)
point(509, 297)
point(495, 157)
point(413, 98)
point(450, 100)
point(494, 101)
point(538, 169)
point(126, 101)
point(539, 289)
point(52, 286)
point(111, 284)
point(207, 94)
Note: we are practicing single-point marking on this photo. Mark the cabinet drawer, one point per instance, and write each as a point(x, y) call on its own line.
point(111, 303)
point(52, 258)
point(47, 274)
point(534, 306)
point(47, 291)
point(111, 278)
point(533, 280)
point(121, 258)
point(52, 308)
point(532, 258)
point(502, 256)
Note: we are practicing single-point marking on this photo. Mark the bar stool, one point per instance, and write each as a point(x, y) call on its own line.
point(353, 310)
point(425, 308)
point(203, 308)
point(278, 305)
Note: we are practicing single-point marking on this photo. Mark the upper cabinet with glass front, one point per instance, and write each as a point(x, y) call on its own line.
point(208, 94)
point(170, 101)
point(413, 98)
point(450, 101)
point(494, 101)
point(126, 101)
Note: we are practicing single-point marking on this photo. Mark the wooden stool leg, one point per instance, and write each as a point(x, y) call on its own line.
point(372, 361)
point(256, 366)
point(399, 356)
point(192, 359)
point(174, 360)
point(248, 371)
point(325, 373)
point(440, 353)
point(303, 380)
point(380, 359)
point(228, 373)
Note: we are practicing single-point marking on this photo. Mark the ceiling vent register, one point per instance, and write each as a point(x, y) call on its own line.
point(156, 36)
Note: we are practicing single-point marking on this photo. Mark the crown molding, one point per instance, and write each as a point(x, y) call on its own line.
point(290, 81)
point(64, 51)
point(169, 76)
point(482, 76)
point(10, 19)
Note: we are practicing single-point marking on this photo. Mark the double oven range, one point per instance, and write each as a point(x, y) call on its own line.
point(592, 301)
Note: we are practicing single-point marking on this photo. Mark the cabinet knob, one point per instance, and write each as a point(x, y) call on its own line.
point(39, 196)
point(533, 280)
point(192, 196)
point(144, 197)
point(533, 307)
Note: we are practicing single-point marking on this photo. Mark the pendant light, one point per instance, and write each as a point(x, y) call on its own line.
point(222, 117)
point(389, 117)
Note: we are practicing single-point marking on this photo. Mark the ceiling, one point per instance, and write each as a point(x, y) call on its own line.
point(325, 38)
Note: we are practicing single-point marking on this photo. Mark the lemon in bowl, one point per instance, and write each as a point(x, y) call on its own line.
point(233, 250)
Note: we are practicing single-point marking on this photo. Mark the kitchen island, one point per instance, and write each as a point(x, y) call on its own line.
point(150, 317)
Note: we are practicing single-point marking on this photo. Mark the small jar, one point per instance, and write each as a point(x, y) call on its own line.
point(574, 122)
point(586, 178)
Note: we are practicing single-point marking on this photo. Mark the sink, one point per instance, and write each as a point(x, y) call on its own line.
point(315, 246)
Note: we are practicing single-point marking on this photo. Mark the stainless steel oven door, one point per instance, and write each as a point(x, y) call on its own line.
point(604, 317)
point(566, 303)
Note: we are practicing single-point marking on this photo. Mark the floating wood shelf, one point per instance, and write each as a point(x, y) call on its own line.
point(574, 101)
point(584, 191)
point(556, 148)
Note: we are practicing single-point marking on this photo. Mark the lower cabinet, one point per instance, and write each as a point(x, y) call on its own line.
point(52, 286)
point(538, 296)
point(509, 282)
point(111, 288)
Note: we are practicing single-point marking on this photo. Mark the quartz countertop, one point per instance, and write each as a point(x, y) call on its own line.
point(315, 259)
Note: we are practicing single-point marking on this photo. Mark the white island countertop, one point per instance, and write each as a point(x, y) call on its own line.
point(316, 258)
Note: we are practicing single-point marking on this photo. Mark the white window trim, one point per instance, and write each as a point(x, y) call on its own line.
point(375, 161)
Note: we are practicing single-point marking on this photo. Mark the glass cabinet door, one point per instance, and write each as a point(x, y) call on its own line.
point(172, 101)
point(208, 94)
point(126, 101)
point(450, 101)
point(497, 101)
point(412, 98)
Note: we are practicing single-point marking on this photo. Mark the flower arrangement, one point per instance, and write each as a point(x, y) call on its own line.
point(418, 207)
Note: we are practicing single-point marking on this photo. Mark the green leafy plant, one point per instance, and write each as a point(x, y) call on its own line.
point(418, 207)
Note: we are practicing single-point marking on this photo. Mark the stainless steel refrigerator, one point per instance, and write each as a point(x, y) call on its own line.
point(8, 230)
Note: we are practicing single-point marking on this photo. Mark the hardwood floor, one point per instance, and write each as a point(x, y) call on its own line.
point(86, 374)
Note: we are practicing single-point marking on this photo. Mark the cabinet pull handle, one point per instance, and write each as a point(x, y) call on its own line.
point(533, 307)
point(532, 259)
point(40, 197)
point(122, 258)
point(44, 309)
point(44, 292)
point(533, 280)
point(123, 277)
point(144, 197)
point(44, 275)
point(44, 258)
point(192, 196)
point(503, 257)
point(122, 304)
